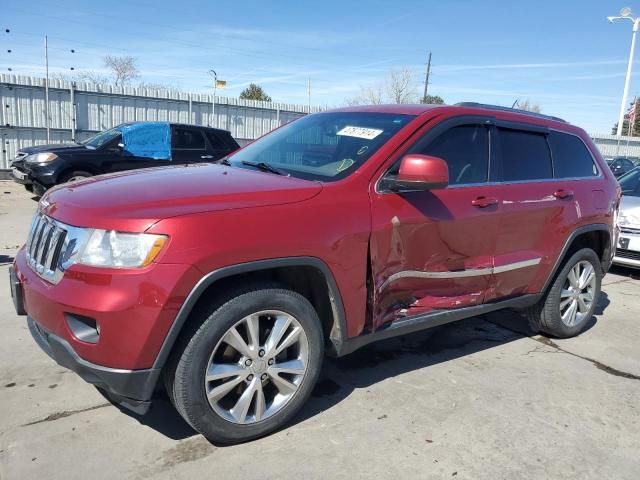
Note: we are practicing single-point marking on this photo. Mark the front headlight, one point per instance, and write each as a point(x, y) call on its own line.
point(108, 248)
point(40, 157)
point(629, 220)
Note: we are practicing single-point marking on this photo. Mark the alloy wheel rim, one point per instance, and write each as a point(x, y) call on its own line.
point(257, 367)
point(76, 178)
point(577, 294)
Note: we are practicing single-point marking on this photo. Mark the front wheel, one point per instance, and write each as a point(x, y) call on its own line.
point(250, 366)
point(75, 176)
point(572, 299)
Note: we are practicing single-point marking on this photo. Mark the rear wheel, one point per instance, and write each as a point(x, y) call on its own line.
point(571, 300)
point(250, 366)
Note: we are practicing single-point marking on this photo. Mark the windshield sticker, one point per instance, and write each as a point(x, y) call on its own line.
point(360, 132)
point(344, 164)
point(362, 150)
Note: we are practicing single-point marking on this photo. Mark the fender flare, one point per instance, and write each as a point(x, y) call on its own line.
point(338, 332)
point(603, 227)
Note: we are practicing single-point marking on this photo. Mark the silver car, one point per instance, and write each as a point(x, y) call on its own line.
point(628, 248)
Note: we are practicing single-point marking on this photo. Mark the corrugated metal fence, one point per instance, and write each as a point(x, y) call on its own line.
point(78, 110)
point(613, 146)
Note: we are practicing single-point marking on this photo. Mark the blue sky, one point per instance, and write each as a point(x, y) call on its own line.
point(563, 55)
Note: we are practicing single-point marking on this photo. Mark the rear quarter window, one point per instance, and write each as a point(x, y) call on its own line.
point(571, 158)
point(525, 155)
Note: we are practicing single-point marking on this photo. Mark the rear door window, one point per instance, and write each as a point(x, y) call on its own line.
point(187, 139)
point(216, 142)
point(571, 158)
point(524, 155)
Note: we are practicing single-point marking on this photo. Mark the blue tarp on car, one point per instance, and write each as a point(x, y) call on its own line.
point(148, 139)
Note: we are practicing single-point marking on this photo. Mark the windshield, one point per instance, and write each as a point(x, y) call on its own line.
point(102, 138)
point(630, 183)
point(323, 146)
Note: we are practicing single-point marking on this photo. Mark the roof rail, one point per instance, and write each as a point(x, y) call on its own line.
point(509, 109)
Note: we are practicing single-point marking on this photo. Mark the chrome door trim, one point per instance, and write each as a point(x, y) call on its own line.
point(472, 272)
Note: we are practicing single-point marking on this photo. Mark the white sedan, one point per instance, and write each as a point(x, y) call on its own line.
point(628, 248)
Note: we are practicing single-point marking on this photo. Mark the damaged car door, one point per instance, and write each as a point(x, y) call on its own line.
point(433, 250)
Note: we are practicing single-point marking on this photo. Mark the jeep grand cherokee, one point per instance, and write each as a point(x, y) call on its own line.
point(228, 283)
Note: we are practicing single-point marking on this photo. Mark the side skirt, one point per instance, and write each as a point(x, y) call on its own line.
point(433, 319)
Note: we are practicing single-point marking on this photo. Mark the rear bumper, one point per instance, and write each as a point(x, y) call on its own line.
point(131, 389)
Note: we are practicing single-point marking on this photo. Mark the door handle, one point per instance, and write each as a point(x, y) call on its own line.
point(206, 157)
point(560, 194)
point(483, 202)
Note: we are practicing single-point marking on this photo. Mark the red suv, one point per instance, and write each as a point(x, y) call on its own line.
point(227, 283)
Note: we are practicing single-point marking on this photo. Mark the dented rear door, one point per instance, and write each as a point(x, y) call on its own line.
point(434, 250)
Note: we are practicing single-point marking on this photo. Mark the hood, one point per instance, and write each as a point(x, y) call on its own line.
point(630, 211)
point(135, 200)
point(59, 147)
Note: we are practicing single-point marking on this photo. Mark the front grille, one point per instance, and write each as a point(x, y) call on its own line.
point(630, 254)
point(44, 247)
point(630, 231)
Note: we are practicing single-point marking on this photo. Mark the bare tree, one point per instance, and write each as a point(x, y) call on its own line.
point(398, 87)
point(124, 69)
point(529, 106)
point(81, 76)
point(369, 95)
point(401, 87)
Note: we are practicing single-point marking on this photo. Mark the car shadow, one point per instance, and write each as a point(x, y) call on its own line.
point(633, 273)
point(380, 361)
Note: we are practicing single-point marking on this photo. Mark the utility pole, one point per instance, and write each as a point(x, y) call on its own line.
point(426, 79)
point(46, 87)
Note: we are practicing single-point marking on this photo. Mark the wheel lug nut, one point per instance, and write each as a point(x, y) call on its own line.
point(270, 361)
point(247, 363)
point(249, 378)
point(263, 376)
point(261, 353)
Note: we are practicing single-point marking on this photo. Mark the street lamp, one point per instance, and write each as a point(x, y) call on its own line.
point(625, 14)
point(213, 104)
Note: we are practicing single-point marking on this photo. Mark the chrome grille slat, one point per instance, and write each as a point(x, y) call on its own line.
point(42, 239)
point(45, 242)
point(38, 237)
point(46, 239)
point(34, 233)
point(53, 246)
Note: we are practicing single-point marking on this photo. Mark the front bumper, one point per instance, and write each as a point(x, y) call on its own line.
point(628, 250)
point(20, 176)
point(134, 311)
point(131, 389)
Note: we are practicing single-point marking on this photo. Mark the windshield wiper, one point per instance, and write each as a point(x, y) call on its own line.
point(225, 161)
point(265, 167)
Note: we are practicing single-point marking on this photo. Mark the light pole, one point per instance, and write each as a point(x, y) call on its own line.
point(625, 14)
point(213, 103)
point(46, 87)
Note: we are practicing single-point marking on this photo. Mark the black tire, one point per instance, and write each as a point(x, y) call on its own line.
point(29, 187)
point(546, 316)
point(76, 174)
point(185, 375)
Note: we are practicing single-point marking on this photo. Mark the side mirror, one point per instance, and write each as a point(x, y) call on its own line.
point(421, 172)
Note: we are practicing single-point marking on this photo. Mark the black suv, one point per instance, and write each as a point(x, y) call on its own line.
point(125, 147)
point(621, 166)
